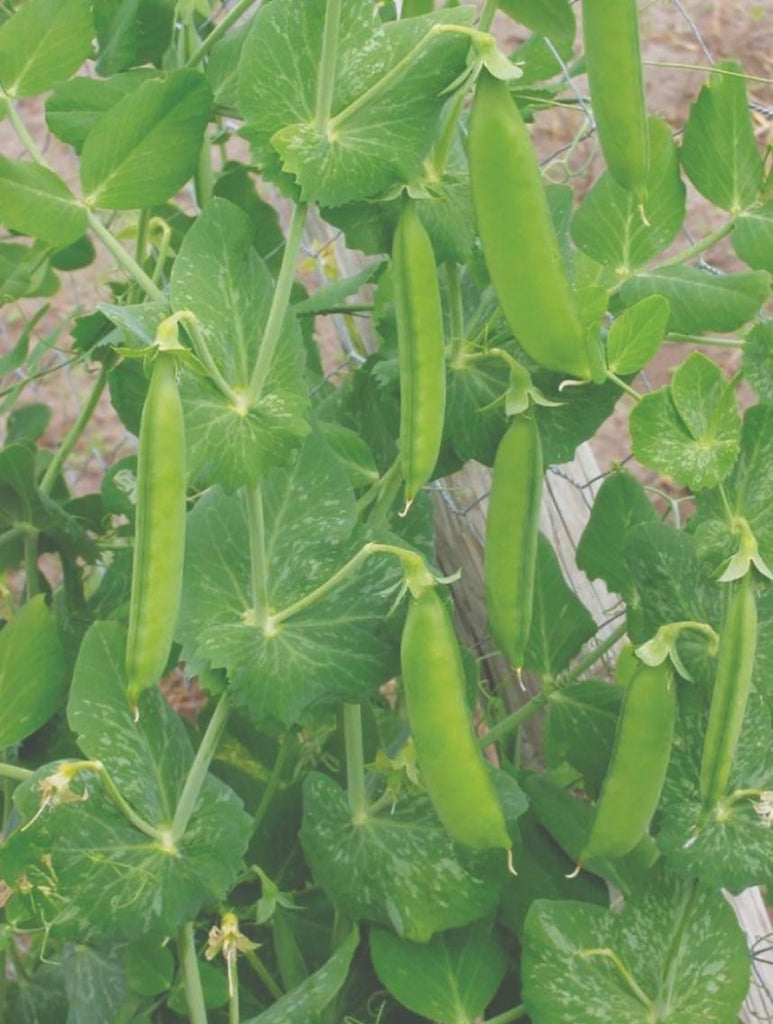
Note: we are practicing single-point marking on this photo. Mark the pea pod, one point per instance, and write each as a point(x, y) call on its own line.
point(613, 59)
point(421, 345)
point(732, 683)
point(456, 778)
point(160, 531)
point(633, 784)
point(519, 243)
point(511, 536)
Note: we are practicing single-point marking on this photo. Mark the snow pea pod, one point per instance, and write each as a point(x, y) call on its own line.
point(511, 536)
point(732, 684)
point(613, 59)
point(454, 773)
point(519, 244)
point(633, 784)
point(160, 531)
point(421, 345)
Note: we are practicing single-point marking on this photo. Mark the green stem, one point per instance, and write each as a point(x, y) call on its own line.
point(455, 309)
point(698, 339)
point(673, 960)
point(233, 992)
point(390, 486)
point(593, 656)
point(189, 965)
point(508, 1016)
point(712, 70)
point(487, 15)
point(279, 302)
point(11, 536)
point(263, 973)
point(327, 65)
point(26, 139)
point(163, 246)
point(198, 770)
point(448, 133)
point(219, 30)
point(355, 763)
point(257, 531)
point(625, 974)
point(14, 771)
point(31, 583)
point(512, 721)
point(73, 434)
point(623, 386)
point(700, 246)
point(119, 800)
point(124, 259)
point(271, 786)
point(140, 247)
point(201, 349)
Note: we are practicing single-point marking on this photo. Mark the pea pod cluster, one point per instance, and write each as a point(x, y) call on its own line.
point(511, 536)
point(159, 544)
point(421, 344)
point(456, 778)
point(519, 244)
point(613, 60)
point(732, 685)
point(634, 781)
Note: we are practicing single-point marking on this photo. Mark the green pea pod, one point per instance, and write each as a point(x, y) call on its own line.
point(421, 344)
point(519, 244)
point(633, 784)
point(160, 531)
point(613, 60)
point(456, 778)
point(732, 683)
point(511, 536)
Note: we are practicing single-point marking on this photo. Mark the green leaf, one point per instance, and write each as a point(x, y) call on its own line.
point(132, 32)
point(608, 224)
point(222, 68)
point(758, 360)
point(28, 422)
point(561, 623)
point(636, 334)
point(121, 164)
point(452, 978)
point(74, 107)
point(353, 453)
point(689, 431)
point(620, 504)
point(339, 647)
point(475, 416)
point(149, 967)
point(22, 270)
point(32, 672)
point(701, 301)
point(220, 278)
point(43, 43)
point(39, 999)
point(578, 414)
point(35, 201)
point(109, 876)
point(315, 993)
point(567, 976)
point(551, 18)
point(719, 152)
point(733, 849)
point(752, 237)
point(95, 983)
point(384, 140)
point(400, 869)
point(581, 728)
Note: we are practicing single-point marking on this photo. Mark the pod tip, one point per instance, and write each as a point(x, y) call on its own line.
point(510, 864)
point(575, 873)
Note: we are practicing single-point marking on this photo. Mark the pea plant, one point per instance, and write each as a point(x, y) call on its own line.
point(349, 833)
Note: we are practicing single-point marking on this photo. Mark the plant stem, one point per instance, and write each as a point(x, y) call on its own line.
point(625, 974)
point(513, 720)
point(14, 771)
point(448, 133)
point(593, 656)
point(327, 65)
point(124, 259)
point(31, 585)
point(487, 15)
point(276, 315)
point(26, 139)
point(201, 349)
point(189, 965)
point(233, 992)
point(73, 434)
point(271, 786)
point(713, 70)
point(257, 531)
point(390, 485)
point(119, 800)
point(198, 770)
point(263, 973)
point(700, 246)
point(508, 1016)
point(698, 339)
point(672, 958)
point(623, 386)
point(355, 763)
point(219, 30)
point(455, 309)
